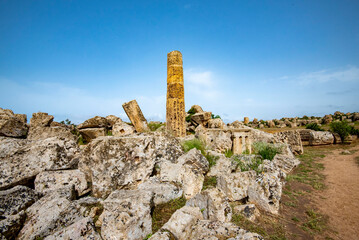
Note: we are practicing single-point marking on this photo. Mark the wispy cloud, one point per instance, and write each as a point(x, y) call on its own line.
point(348, 74)
point(201, 84)
point(77, 104)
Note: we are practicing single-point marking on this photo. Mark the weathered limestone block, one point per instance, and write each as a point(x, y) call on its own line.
point(16, 199)
point(21, 160)
point(201, 118)
point(305, 136)
point(270, 124)
point(195, 160)
point(112, 119)
point(320, 138)
point(51, 180)
point(255, 120)
point(11, 125)
point(236, 124)
point(216, 139)
point(51, 213)
point(112, 163)
point(11, 225)
point(213, 204)
point(266, 191)
point(95, 122)
point(235, 185)
point(223, 167)
point(327, 119)
point(163, 192)
point(190, 179)
point(207, 229)
point(127, 215)
point(181, 222)
point(91, 133)
point(355, 117)
point(135, 115)
point(196, 109)
point(175, 105)
point(249, 211)
point(83, 229)
point(161, 236)
point(285, 162)
point(41, 119)
point(242, 141)
point(216, 123)
point(293, 139)
point(122, 129)
point(40, 133)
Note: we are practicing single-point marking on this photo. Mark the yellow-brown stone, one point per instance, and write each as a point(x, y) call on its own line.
point(135, 115)
point(175, 106)
point(246, 120)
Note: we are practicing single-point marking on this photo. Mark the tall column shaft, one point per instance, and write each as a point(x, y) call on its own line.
point(175, 105)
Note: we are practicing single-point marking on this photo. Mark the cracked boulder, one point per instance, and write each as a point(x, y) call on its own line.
point(21, 160)
point(12, 125)
point(127, 215)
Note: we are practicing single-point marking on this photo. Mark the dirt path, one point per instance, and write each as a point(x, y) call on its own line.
point(340, 200)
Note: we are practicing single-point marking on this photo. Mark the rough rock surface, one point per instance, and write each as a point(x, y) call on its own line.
point(91, 133)
point(181, 222)
point(12, 125)
point(127, 215)
point(51, 180)
point(123, 162)
point(95, 122)
point(160, 236)
point(293, 139)
point(122, 129)
point(249, 211)
point(11, 225)
point(201, 118)
point(235, 185)
point(207, 229)
point(83, 229)
point(195, 160)
point(215, 139)
point(39, 133)
point(112, 119)
point(21, 160)
point(49, 214)
point(41, 119)
point(320, 138)
point(266, 192)
point(163, 192)
point(216, 123)
point(213, 204)
point(16, 199)
point(223, 167)
point(285, 163)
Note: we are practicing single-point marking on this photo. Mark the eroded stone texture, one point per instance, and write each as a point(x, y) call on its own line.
point(175, 107)
point(127, 215)
point(246, 120)
point(21, 160)
point(12, 125)
point(41, 119)
point(135, 115)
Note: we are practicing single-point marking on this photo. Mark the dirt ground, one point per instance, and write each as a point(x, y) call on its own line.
point(340, 199)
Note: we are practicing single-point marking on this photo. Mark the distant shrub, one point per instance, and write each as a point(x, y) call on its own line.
point(194, 143)
point(341, 128)
point(153, 126)
point(215, 116)
point(353, 131)
point(191, 111)
point(266, 150)
point(314, 126)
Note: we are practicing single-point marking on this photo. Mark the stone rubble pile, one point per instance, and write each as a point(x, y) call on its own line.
point(52, 188)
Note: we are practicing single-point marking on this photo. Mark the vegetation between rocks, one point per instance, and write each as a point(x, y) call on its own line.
point(266, 150)
point(163, 212)
point(314, 126)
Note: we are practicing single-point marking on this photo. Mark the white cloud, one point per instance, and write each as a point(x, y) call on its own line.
point(348, 74)
point(201, 84)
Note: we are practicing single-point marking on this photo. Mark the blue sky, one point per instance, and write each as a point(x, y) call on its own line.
point(266, 59)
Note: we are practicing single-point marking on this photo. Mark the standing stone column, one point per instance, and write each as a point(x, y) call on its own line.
point(135, 115)
point(175, 107)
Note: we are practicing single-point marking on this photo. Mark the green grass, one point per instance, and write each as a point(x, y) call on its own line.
point(315, 221)
point(163, 212)
point(266, 150)
point(212, 160)
point(254, 164)
point(228, 153)
point(109, 133)
point(194, 143)
point(295, 219)
point(209, 182)
point(153, 126)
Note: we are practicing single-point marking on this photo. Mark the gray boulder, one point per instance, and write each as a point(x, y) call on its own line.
point(21, 160)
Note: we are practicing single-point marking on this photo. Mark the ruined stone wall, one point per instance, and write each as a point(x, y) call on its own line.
point(175, 106)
